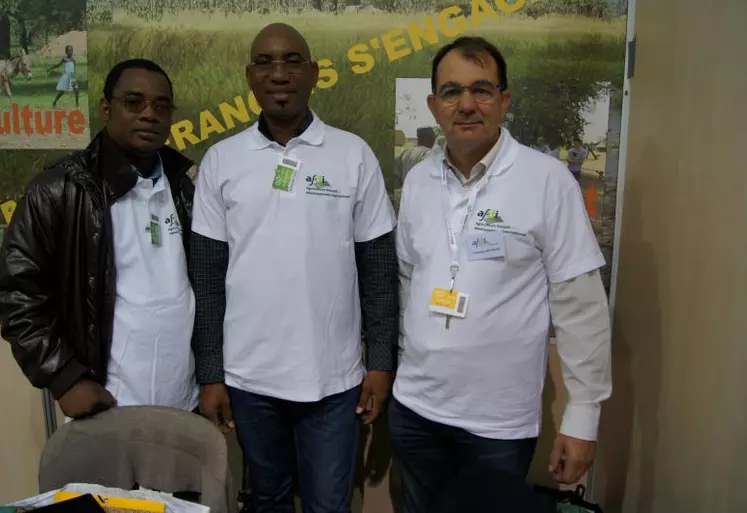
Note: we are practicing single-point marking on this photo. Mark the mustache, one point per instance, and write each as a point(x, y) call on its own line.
point(467, 119)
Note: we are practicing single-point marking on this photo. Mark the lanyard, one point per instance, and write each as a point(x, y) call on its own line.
point(453, 242)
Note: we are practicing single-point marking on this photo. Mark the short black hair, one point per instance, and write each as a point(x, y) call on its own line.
point(471, 47)
point(116, 73)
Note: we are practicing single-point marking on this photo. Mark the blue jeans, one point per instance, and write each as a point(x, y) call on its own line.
point(317, 441)
point(443, 468)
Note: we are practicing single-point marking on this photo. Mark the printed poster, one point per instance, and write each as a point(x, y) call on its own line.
point(565, 67)
point(43, 75)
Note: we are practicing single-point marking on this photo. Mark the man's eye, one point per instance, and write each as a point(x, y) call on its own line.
point(482, 92)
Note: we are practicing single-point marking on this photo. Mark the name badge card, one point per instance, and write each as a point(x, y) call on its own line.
point(285, 174)
point(485, 245)
point(155, 230)
point(448, 302)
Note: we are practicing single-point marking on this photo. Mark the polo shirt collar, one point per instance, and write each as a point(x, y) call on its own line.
point(500, 156)
point(310, 131)
point(157, 172)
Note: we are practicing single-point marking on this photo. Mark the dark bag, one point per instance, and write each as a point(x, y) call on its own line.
point(569, 501)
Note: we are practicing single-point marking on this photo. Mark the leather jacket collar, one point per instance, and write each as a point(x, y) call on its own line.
point(108, 160)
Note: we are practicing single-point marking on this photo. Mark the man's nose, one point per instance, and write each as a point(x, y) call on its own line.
point(149, 114)
point(278, 72)
point(467, 101)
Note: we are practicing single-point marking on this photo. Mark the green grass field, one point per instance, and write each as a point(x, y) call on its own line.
point(39, 91)
point(206, 56)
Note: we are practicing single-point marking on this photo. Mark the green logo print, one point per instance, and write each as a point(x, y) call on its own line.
point(318, 181)
point(489, 216)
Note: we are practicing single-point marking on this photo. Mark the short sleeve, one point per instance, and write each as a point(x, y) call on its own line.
point(570, 248)
point(373, 215)
point(402, 235)
point(209, 211)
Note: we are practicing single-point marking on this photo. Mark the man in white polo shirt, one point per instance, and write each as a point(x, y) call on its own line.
point(95, 297)
point(293, 237)
point(492, 239)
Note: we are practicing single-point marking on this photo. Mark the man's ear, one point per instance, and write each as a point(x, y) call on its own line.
point(104, 108)
point(432, 105)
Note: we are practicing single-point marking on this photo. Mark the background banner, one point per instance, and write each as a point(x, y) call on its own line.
point(565, 68)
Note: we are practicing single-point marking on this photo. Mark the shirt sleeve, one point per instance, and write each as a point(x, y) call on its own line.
point(402, 234)
point(209, 211)
point(405, 281)
point(581, 318)
point(208, 264)
point(569, 248)
point(373, 215)
point(29, 301)
point(404, 256)
point(376, 261)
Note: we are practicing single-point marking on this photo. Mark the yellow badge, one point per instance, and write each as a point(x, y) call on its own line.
point(448, 303)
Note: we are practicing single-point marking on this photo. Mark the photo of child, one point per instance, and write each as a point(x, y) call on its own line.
point(67, 82)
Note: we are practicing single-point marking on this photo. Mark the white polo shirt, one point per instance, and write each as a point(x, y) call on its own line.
point(151, 360)
point(292, 327)
point(486, 372)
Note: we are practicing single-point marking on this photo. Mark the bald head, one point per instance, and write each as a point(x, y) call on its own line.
point(276, 32)
point(281, 73)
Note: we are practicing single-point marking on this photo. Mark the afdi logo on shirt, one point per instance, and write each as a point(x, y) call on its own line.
point(173, 226)
point(488, 219)
point(317, 181)
point(317, 185)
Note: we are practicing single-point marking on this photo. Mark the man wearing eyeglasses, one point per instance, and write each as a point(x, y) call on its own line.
point(95, 298)
point(492, 238)
point(292, 239)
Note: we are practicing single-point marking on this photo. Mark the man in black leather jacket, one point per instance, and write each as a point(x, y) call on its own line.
point(75, 294)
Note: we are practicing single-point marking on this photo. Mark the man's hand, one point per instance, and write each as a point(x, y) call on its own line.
point(216, 406)
point(86, 398)
point(571, 458)
point(374, 391)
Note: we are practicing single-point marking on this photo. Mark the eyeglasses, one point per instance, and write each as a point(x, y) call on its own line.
point(136, 105)
point(483, 92)
point(291, 65)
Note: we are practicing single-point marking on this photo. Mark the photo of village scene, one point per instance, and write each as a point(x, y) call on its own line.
point(43, 74)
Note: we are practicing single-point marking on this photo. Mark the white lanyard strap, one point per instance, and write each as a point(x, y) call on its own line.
point(453, 242)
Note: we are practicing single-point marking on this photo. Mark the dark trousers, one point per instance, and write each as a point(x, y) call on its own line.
point(447, 469)
point(316, 441)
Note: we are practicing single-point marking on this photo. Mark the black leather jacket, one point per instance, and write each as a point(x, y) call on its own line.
point(57, 274)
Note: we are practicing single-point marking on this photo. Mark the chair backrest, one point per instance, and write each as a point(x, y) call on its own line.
point(159, 448)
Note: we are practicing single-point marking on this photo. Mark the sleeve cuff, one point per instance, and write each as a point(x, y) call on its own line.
point(380, 357)
point(581, 421)
point(209, 369)
point(68, 376)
